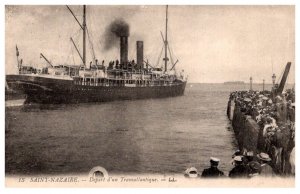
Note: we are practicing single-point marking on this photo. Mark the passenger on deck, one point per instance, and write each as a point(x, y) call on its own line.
point(213, 171)
point(239, 170)
point(266, 169)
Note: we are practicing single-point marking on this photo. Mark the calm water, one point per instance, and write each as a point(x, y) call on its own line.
point(145, 136)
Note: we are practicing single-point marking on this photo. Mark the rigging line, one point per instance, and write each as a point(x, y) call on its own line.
point(162, 49)
point(170, 55)
point(76, 33)
point(172, 51)
point(90, 35)
point(76, 49)
point(170, 37)
point(91, 45)
point(76, 40)
point(73, 55)
point(69, 54)
point(75, 17)
point(94, 29)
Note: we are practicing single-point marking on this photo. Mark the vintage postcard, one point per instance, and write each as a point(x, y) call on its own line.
point(150, 96)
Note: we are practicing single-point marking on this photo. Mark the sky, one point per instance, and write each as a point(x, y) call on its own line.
point(213, 44)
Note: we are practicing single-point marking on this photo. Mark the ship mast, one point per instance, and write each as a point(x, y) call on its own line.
point(166, 41)
point(84, 37)
point(17, 53)
point(83, 27)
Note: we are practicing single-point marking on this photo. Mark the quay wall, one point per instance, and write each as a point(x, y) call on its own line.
point(245, 128)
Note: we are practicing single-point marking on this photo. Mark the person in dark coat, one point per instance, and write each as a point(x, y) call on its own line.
point(213, 171)
point(254, 169)
point(239, 170)
point(249, 157)
point(266, 169)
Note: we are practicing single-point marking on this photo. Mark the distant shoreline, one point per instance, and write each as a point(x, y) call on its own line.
point(234, 82)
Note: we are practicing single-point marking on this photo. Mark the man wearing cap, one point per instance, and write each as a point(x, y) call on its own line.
point(266, 169)
point(239, 169)
point(213, 171)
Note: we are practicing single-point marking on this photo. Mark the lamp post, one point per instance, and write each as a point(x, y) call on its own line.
point(274, 90)
point(251, 83)
point(263, 84)
point(273, 79)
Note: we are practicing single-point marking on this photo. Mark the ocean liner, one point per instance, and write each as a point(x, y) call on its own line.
point(119, 80)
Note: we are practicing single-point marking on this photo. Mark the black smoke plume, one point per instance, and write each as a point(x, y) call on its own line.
point(113, 31)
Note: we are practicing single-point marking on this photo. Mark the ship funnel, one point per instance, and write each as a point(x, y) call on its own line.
point(123, 49)
point(140, 54)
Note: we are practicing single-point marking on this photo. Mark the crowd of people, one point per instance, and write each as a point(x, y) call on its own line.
point(275, 115)
point(245, 165)
point(264, 107)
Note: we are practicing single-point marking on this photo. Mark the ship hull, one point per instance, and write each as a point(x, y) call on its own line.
point(55, 91)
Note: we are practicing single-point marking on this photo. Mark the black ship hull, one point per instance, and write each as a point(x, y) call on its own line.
point(54, 91)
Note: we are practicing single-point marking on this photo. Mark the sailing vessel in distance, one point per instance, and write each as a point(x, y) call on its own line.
point(120, 80)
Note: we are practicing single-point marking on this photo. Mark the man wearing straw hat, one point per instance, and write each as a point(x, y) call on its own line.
point(266, 169)
point(239, 170)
